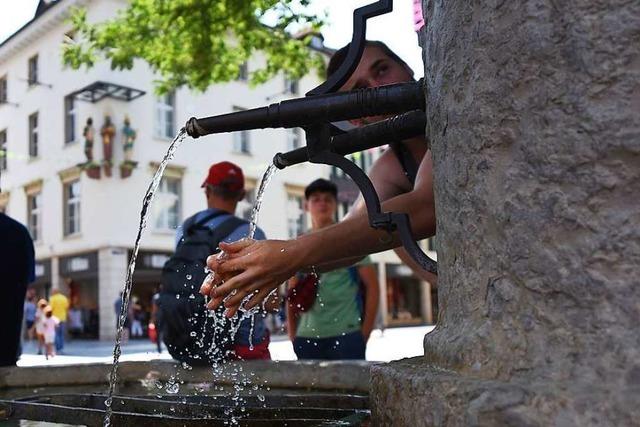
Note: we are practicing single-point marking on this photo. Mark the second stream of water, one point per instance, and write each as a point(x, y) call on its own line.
point(126, 292)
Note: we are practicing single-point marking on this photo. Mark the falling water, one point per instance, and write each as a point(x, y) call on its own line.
point(144, 213)
point(268, 174)
point(251, 313)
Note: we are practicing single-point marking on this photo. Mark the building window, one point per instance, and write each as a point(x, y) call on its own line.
point(3, 90)
point(69, 119)
point(3, 150)
point(291, 86)
point(33, 70)
point(72, 208)
point(296, 218)
point(165, 116)
point(243, 72)
point(34, 215)
point(241, 139)
point(33, 135)
point(294, 138)
point(167, 207)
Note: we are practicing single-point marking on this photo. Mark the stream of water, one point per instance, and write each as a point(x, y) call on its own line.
point(144, 214)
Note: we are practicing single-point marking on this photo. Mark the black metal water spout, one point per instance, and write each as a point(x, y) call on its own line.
point(327, 144)
point(320, 109)
point(397, 128)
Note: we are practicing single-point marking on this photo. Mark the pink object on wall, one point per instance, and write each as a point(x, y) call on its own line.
point(418, 19)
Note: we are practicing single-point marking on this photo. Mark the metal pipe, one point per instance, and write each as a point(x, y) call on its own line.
point(317, 109)
point(397, 128)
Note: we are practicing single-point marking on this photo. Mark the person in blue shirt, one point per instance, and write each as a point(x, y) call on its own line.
point(17, 270)
point(30, 313)
point(224, 189)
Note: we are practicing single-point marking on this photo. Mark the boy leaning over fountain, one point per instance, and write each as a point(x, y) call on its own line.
point(185, 335)
point(259, 267)
point(341, 317)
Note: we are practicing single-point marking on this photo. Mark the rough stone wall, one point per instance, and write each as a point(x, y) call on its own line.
point(534, 118)
point(533, 111)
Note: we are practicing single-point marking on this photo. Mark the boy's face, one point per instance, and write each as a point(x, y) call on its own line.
point(322, 206)
point(375, 69)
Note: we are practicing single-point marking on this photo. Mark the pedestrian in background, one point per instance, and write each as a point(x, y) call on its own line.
point(51, 324)
point(137, 316)
point(60, 308)
point(197, 238)
point(30, 313)
point(17, 270)
point(39, 326)
point(340, 315)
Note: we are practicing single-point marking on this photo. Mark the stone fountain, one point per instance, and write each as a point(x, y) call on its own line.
point(533, 113)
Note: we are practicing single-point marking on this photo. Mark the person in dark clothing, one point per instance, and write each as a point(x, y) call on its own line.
point(17, 270)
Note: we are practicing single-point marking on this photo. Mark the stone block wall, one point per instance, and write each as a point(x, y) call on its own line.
point(533, 112)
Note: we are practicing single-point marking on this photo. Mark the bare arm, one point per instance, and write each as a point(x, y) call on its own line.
point(386, 189)
point(259, 266)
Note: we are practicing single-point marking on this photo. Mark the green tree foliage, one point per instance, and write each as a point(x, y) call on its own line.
point(198, 42)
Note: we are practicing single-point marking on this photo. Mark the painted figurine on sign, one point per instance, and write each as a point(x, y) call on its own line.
point(108, 131)
point(128, 139)
point(89, 135)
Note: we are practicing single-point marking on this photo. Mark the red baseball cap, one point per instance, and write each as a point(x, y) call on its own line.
point(225, 174)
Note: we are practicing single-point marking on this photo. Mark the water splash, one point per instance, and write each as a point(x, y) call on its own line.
point(126, 293)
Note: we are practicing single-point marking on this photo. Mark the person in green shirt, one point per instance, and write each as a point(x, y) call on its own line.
point(338, 324)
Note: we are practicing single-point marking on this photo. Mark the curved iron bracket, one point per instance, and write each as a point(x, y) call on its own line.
point(356, 47)
point(319, 138)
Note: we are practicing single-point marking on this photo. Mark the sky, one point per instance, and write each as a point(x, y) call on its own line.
point(395, 28)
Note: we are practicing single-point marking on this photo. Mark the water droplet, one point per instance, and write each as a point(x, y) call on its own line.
point(178, 296)
point(172, 388)
point(261, 397)
point(189, 277)
point(193, 333)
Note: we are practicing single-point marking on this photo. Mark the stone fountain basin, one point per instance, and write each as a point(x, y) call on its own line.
point(272, 393)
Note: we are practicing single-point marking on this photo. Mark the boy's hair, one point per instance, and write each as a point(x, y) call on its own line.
point(225, 192)
point(339, 56)
point(321, 185)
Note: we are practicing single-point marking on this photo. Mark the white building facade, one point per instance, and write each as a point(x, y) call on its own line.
point(84, 228)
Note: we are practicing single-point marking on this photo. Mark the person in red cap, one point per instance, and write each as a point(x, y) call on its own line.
point(198, 236)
